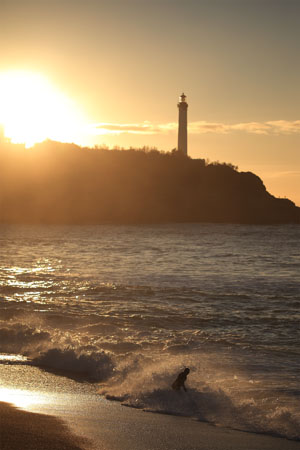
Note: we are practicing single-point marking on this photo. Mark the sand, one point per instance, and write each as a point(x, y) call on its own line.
point(25, 430)
point(121, 428)
point(124, 429)
point(61, 414)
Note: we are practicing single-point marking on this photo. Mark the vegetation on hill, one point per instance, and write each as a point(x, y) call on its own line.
point(63, 183)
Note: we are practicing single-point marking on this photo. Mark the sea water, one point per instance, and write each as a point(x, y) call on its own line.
point(128, 307)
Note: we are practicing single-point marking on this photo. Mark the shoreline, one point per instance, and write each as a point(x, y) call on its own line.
point(23, 429)
point(43, 411)
point(115, 427)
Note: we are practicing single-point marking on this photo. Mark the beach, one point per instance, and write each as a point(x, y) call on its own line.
point(26, 430)
point(97, 322)
point(48, 411)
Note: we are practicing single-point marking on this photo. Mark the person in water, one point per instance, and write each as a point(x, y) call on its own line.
point(180, 380)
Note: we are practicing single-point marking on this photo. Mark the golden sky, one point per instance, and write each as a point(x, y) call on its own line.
point(110, 72)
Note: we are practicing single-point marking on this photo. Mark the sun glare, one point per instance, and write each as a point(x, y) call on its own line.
point(32, 110)
point(22, 398)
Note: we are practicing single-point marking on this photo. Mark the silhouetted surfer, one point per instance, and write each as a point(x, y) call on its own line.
point(179, 382)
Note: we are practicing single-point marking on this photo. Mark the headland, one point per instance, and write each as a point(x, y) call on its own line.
point(56, 183)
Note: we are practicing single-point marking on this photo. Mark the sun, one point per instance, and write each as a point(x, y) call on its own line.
point(32, 110)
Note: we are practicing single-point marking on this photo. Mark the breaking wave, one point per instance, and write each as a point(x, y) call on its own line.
point(21, 338)
point(85, 366)
point(151, 391)
point(219, 390)
point(55, 349)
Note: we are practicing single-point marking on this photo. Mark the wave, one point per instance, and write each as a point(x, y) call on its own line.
point(142, 379)
point(84, 366)
point(20, 338)
point(137, 367)
point(149, 389)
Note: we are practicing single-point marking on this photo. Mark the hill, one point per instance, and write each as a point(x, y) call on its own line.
point(63, 183)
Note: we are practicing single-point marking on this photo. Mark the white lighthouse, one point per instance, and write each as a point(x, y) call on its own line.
point(182, 124)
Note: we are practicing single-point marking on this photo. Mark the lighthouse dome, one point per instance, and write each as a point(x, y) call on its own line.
point(182, 98)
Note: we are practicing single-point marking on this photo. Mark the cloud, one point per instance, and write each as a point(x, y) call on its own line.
point(207, 127)
point(251, 127)
point(201, 127)
point(283, 174)
point(131, 128)
point(285, 126)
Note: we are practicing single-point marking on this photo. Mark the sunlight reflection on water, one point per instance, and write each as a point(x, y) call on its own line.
point(12, 358)
point(22, 398)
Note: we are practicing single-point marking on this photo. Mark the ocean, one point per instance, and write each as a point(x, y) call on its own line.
point(128, 307)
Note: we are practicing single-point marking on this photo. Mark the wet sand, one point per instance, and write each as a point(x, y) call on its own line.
point(124, 429)
point(121, 428)
point(26, 430)
point(61, 414)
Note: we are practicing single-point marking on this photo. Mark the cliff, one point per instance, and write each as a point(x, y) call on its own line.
point(64, 183)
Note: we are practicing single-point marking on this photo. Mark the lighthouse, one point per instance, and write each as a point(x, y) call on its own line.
point(182, 124)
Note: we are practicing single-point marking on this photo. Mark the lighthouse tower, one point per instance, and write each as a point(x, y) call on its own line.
point(182, 124)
